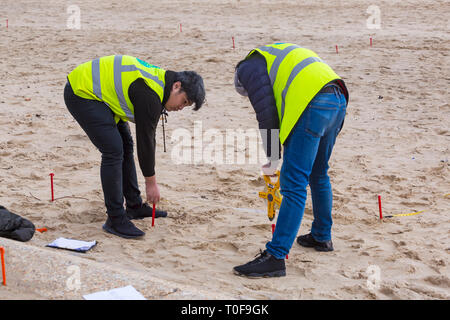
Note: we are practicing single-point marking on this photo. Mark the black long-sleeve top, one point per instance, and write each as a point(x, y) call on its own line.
point(147, 111)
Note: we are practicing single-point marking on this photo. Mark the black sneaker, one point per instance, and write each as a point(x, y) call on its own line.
point(265, 265)
point(308, 241)
point(144, 211)
point(121, 226)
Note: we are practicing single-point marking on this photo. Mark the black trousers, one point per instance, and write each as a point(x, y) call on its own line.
point(114, 141)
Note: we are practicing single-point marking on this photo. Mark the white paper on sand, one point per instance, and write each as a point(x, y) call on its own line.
point(71, 244)
point(124, 293)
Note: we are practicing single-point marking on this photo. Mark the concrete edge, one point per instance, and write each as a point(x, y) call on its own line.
point(47, 274)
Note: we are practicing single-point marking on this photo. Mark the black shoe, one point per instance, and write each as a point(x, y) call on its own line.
point(121, 226)
point(265, 265)
point(307, 240)
point(144, 211)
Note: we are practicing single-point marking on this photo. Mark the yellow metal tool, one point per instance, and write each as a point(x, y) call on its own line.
point(272, 194)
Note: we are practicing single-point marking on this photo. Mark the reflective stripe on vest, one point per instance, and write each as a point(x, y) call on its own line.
point(297, 69)
point(96, 84)
point(285, 62)
point(280, 55)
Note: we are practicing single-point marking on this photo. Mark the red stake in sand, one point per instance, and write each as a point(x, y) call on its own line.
point(337, 49)
point(51, 186)
point(153, 215)
point(2, 253)
point(273, 230)
point(232, 38)
point(181, 30)
point(370, 41)
point(379, 206)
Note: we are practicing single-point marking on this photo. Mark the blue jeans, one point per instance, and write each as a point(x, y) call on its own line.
point(114, 141)
point(305, 161)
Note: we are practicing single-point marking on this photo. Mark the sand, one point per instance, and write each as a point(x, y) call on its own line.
point(395, 143)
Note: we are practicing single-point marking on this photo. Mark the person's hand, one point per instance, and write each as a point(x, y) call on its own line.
point(152, 191)
point(270, 168)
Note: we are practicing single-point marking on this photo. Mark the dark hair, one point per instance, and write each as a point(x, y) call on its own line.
point(192, 84)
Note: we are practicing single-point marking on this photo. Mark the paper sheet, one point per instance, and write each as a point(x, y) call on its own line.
point(71, 244)
point(124, 293)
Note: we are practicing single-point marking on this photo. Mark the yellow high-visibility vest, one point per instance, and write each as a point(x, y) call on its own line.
point(108, 78)
point(297, 75)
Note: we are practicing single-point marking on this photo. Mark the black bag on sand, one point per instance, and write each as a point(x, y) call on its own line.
point(15, 227)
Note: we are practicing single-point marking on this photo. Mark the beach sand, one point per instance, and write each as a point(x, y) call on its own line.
point(395, 143)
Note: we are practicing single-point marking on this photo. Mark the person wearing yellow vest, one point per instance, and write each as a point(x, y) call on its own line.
point(104, 95)
point(300, 103)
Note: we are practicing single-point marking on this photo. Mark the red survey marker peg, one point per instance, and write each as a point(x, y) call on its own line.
point(379, 207)
point(51, 186)
point(153, 215)
point(2, 254)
